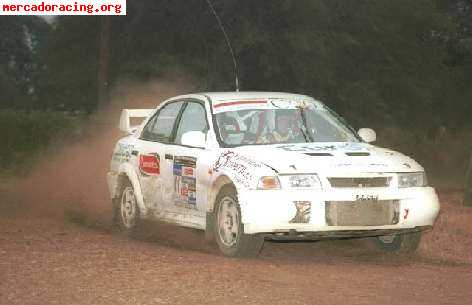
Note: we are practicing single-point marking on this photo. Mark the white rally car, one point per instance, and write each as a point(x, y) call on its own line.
point(249, 166)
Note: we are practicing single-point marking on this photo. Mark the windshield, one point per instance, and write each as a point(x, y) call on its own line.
point(279, 121)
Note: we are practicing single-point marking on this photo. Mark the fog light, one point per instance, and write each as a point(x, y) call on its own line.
point(303, 212)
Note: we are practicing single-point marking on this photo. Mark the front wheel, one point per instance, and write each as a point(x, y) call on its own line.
point(406, 243)
point(229, 230)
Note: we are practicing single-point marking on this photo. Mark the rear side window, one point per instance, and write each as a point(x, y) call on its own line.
point(159, 128)
point(193, 119)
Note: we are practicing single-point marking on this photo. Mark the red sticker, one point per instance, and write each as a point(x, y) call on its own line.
point(235, 103)
point(184, 190)
point(149, 164)
point(188, 171)
point(407, 211)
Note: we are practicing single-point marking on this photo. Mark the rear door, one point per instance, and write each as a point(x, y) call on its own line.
point(183, 194)
point(150, 152)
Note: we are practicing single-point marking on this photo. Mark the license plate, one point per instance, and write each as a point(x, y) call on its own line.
point(367, 198)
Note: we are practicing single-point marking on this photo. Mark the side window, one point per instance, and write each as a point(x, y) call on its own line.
point(146, 134)
point(159, 128)
point(193, 119)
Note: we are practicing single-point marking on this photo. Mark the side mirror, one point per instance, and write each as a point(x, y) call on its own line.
point(211, 142)
point(367, 135)
point(194, 139)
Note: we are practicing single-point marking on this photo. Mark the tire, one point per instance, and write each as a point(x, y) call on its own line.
point(229, 230)
point(406, 243)
point(126, 214)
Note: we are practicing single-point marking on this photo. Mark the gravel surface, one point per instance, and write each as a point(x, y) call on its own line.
point(47, 260)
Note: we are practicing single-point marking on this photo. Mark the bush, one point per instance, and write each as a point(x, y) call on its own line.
point(444, 153)
point(25, 135)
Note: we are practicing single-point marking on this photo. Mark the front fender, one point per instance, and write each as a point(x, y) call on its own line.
point(217, 182)
point(231, 167)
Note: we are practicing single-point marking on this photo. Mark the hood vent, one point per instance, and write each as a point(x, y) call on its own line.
point(319, 154)
point(357, 154)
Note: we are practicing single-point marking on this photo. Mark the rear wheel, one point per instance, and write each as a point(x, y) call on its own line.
point(229, 230)
point(399, 243)
point(126, 214)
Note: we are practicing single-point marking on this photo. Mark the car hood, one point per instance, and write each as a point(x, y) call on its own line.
point(330, 158)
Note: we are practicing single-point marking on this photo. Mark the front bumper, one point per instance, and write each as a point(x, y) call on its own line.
point(271, 211)
point(294, 235)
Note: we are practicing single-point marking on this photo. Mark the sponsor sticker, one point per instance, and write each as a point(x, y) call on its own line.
point(149, 164)
point(177, 170)
point(185, 183)
point(123, 152)
point(184, 190)
point(262, 103)
point(192, 197)
point(236, 105)
point(241, 167)
point(188, 172)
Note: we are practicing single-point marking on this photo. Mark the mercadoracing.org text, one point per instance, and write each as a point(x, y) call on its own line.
point(62, 7)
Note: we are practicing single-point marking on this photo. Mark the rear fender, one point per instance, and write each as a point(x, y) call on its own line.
point(127, 170)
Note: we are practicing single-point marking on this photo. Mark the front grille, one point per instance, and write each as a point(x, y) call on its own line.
point(362, 213)
point(360, 182)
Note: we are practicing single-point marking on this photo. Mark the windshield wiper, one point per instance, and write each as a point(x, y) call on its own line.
point(305, 134)
point(304, 130)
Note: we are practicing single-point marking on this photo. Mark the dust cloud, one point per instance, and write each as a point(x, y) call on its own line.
point(70, 181)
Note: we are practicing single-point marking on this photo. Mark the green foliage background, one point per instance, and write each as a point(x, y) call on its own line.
point(26, 136)
point(402, 67)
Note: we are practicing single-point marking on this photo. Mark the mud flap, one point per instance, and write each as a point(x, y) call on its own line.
point(210, 222)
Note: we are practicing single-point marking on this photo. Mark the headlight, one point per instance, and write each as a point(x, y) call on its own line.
point(269, 183)
point(303, 181)
point(412, 180)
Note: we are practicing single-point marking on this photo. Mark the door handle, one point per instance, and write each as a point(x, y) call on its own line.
point(169, 157)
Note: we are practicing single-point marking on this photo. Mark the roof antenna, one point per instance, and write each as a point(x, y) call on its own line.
point(235, 64)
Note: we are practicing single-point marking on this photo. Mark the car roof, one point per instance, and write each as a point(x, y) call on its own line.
point(244, 95)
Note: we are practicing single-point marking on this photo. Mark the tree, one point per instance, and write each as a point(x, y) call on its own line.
point(71, 59)
point(21, 66)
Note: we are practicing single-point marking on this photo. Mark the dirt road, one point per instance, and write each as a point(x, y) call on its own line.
point(53, 261)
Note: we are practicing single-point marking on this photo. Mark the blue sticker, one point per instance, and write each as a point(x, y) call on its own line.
point(192, 199)
point(177, 169)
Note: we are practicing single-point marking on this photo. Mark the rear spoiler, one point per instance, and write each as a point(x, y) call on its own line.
point(127, 114)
